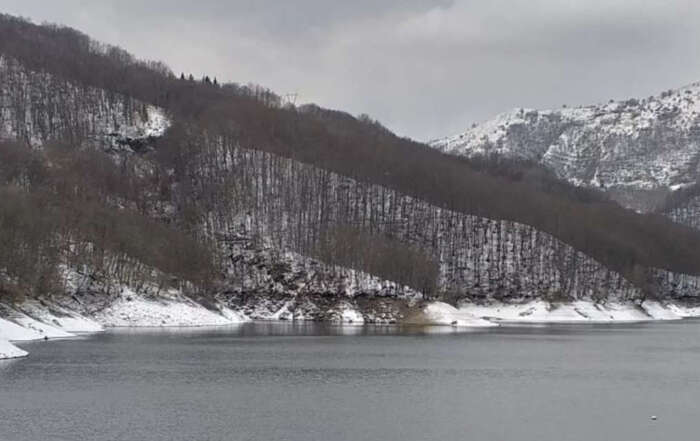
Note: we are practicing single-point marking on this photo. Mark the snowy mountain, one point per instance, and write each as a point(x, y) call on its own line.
point(266, 233)
point(637, 150)
point(129, 196)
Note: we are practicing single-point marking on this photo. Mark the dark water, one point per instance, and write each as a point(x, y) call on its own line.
point(272, 382)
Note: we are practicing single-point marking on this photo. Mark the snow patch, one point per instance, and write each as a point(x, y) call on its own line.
point(59, 319)
point(540, 311)
point(14, 332)
point(45, 330)
point(347, 313)
point(233, 316)
point(131, 310)
point(8, 350)
point(157, 123)
point(657, 311)
point(352, 316)
point(153, 125)
point(440, 313)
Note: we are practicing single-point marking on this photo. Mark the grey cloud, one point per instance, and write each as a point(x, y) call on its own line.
point(424, 68)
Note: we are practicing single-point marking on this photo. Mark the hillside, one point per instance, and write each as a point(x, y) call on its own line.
point(639, 151)
point(120, 177)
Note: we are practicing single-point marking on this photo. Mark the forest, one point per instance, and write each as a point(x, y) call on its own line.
point(69, 194)
point(52, 213)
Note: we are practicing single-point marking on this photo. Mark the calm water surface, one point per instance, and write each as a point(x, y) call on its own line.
point(272, 382)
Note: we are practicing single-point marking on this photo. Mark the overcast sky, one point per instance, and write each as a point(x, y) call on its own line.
point(425, 68)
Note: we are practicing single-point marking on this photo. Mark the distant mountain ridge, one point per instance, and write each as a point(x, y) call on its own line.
point(638, 150)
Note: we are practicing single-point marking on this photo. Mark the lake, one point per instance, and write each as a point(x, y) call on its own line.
point(284, 381)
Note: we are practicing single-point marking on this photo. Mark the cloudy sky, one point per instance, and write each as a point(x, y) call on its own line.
point(425, 68)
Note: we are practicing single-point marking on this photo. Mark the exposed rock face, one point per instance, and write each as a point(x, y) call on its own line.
point(638, 150)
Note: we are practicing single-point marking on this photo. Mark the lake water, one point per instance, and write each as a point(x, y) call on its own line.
point(308, 382)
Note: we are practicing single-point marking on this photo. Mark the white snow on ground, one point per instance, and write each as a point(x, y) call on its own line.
point(233, 316)
point(439, 313)
point(540, 311)
point(61, 318)
point(36, 321)
point(580, 311)
point(283, 313)
point(14, 332)
point(348, 314)
point(79, 324)
point(44, 329)
point(8, 350)
point(132, 310)
point(684, 312)
point(658, 311)
point(155, 125)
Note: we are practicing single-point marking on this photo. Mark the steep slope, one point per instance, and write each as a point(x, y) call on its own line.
point(259, 200)
point(637, 150)
point(39, 108)
point(153, 191)
point(301, 207)
point(69, 126)
point(355, 147)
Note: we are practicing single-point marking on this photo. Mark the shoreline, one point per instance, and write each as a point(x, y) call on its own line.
point(35, 321)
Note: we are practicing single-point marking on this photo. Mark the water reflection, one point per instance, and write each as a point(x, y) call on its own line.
point(181, 331)
point(310, 328)
point(297, 328)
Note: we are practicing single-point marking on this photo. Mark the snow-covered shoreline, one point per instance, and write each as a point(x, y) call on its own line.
point(133, 311)
point(8, 351)
point(39, 321)
point(33, 320)
point(539, 311)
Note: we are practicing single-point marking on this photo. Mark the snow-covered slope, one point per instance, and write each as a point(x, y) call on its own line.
point(477, 257)
point(439, 313)
point(17, 325)
point(635, 149)
point(267, 211)
point(51, 319)
point(132, 310)
point(37, 107)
